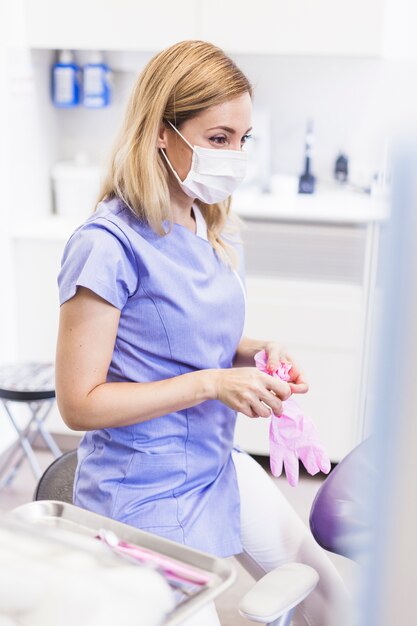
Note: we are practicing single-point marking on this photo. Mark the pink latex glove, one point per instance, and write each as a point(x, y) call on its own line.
point(292, 435)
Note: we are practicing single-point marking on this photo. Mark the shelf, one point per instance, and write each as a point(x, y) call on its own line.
point(330, 206)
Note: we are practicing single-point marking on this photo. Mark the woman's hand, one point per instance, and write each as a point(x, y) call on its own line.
point(250, 391)
point(276, 353)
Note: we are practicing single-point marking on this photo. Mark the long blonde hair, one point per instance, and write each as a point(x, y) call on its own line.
point(175, 85)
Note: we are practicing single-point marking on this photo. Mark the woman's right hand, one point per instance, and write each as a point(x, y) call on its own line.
point(249, 391)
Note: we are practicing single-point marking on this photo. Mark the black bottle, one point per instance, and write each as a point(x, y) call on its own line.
point(341, 168)
point(307, 181)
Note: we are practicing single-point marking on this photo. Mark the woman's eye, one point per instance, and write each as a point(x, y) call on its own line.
point(219, 139)
point(245, 138)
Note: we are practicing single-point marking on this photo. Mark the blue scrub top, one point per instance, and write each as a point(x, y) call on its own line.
point(182, 310)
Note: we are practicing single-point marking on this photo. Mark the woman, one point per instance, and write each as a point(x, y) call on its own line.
point(151, 361)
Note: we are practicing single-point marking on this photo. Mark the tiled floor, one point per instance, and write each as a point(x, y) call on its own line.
point(300, 497)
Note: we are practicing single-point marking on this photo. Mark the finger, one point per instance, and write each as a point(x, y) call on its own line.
point(323, 460)
point(260, 408)
point(291, 466)
point(298, 387)
point(267, 407)
point(295, 373)
point(248, 411)
point(271, 400)
point(273, 357)
point(299, 379)
point(276, 458)
point(308, 458)
point(278, 386)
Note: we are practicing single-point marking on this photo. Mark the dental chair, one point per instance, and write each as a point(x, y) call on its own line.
point(337, 521)
point(340, 511)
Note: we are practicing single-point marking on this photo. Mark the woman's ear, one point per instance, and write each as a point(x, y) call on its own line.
point(162, 136)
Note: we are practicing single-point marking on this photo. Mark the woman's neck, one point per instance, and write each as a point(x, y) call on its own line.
point(181, 208)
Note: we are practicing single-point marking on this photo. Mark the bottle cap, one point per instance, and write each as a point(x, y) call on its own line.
point(66, 56)
point(96, 57)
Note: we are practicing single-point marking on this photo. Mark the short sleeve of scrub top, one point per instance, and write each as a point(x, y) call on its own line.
point(100, 258)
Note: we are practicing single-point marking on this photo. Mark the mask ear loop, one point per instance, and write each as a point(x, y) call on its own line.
point(166, 156)
point(170, 165)
point(181, 135)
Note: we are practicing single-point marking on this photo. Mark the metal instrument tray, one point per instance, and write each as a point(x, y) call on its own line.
point(80, 521)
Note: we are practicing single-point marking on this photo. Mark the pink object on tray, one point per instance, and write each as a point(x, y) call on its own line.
point(292, 435)
point(173, 569)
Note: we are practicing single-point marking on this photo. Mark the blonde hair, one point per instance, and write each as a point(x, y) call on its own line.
point(175, 85)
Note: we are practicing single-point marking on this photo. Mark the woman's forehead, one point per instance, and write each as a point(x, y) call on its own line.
point(233, 115)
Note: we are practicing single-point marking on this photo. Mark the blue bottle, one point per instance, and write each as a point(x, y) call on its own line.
point(65, 81)
point(96, 83)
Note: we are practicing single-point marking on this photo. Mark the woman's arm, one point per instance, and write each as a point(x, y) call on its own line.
point(87, 333)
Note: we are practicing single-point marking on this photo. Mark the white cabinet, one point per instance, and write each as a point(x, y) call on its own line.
point(307, 289)
point(37, 264)
point(109, 24)
point(320, 323)
point(37, 260)
point(319, 27)
point(294, 27)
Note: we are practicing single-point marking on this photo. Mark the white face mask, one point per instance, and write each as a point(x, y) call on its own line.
point(214, 174)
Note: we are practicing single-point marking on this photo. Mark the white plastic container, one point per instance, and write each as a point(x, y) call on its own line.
point(75, 185)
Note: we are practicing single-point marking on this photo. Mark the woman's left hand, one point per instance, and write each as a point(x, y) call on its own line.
point(276, 354)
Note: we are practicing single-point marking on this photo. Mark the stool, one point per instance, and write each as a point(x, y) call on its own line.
point(33, 384)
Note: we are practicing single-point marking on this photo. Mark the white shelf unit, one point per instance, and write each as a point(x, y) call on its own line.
point(308, 288)
point(320, 324)
point(373, 28)
point(109, 25)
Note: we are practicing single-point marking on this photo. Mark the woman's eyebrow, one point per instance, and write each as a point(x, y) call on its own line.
point(228, 129)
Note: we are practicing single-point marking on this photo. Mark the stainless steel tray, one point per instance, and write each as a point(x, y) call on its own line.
point(72, 518)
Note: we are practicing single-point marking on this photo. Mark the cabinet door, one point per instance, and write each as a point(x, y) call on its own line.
point(109, 24)
point(320, 324)
point(294, 27)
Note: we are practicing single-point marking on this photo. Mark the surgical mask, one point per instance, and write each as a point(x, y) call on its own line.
point(214, 174)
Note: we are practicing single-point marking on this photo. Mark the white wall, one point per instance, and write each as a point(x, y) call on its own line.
point(355, 103)
point(11, 30)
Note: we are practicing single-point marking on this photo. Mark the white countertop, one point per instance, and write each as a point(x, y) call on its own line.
point(335, 206)
point(327, 205)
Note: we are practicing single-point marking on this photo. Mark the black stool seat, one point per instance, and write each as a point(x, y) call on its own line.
point(27, 382)
point(33, 385)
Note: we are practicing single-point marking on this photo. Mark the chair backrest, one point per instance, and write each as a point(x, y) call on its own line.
point(56, 483)
point(338, 518)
